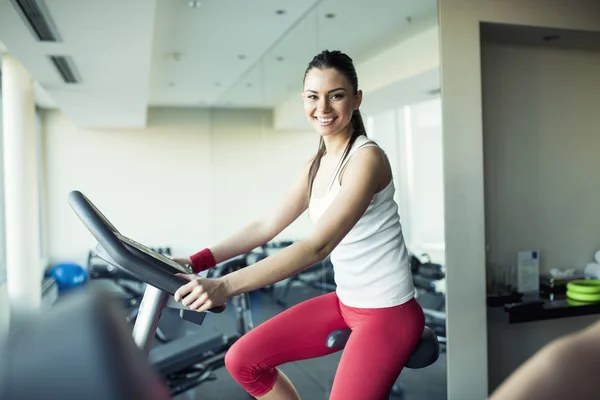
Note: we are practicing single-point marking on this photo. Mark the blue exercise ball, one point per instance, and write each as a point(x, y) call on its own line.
point(67, 275)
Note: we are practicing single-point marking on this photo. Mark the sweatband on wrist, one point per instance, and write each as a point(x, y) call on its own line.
point(202, 261)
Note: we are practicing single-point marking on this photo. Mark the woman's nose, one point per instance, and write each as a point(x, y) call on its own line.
point(323, 104)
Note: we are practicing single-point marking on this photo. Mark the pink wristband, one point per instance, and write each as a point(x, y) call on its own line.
point(202, 261)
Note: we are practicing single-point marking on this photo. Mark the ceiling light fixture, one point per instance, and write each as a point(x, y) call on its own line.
point(550, 38)
point(330, 15)
point(280, 12)
point(280, 58)
point(241, 57)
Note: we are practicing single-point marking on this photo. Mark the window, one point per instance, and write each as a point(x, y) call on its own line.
point(412, 138)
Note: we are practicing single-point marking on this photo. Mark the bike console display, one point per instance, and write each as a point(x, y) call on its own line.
point(134, 258)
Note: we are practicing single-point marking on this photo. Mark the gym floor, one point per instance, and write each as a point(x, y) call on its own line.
point(312, 378)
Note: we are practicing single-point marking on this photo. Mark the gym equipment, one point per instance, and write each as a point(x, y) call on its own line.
point(79, 349)
point(67, 275)
point(425, 353)
point(133, 291)
point(425, 275)
point(49, 293)
point(185, 362)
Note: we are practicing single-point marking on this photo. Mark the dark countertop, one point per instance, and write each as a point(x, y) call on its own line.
point(547, 307)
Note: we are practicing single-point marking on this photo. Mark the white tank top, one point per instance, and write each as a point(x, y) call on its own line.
point(371, 264)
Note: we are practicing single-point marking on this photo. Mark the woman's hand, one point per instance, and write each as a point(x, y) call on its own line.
point(202, 294)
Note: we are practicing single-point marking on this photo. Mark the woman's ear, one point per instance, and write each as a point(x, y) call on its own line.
point(357, 99)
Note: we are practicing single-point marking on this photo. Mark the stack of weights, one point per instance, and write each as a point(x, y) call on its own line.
point(583, 292)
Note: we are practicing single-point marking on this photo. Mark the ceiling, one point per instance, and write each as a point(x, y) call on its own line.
point(129, 55)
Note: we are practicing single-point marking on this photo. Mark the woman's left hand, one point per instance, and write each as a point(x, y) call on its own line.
point(202, 294)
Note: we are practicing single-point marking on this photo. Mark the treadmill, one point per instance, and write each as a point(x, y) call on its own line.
point(185, 362)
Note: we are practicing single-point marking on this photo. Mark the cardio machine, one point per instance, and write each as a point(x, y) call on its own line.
point(159, 273)
point(185, 362)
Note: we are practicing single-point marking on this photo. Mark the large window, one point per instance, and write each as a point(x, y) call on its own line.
point(412, 138)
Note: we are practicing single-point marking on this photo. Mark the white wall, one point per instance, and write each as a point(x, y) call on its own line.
point(541, 138)
point(541, 141)
point(463, 168)
point(187, 180)
point(4, 301)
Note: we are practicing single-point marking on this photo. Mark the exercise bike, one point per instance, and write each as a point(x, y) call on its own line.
point(159, 272)
point(133, 291)
point(186, 362)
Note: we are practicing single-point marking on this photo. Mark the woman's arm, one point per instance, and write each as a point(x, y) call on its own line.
point(567, 368)
point(361, 179)
point(264, 229)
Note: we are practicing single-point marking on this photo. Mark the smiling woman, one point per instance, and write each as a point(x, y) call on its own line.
point(331, 101)
point(348, 191)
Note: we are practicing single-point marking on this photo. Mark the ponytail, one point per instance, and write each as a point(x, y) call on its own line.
point(314, 166)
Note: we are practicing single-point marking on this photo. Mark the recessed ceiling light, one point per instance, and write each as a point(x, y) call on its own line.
point(280, 58)
point(330, 15)
point(408, 19)
point(550, 38)
point(241, 57)
point(280, 12)
point(195, 4)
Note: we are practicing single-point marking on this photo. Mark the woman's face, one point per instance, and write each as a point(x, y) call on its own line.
point(329, 101)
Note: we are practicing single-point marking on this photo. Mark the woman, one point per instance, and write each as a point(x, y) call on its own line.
point(348, 191)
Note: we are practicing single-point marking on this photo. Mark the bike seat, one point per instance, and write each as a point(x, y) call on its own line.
point(425, 353)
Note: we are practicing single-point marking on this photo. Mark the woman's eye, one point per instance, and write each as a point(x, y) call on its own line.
point(337, 96)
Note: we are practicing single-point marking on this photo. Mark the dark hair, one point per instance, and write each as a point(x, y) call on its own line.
point(343, 64)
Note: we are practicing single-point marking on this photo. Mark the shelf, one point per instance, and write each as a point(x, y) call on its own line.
point(539, 309)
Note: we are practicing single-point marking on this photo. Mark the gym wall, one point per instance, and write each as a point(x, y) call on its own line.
point(541, 141)
point(4, 309)
point(187, 180)
point(4, 301)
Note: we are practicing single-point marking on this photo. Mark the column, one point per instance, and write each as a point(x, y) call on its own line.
point(20, 189)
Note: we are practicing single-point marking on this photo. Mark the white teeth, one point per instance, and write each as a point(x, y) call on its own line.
point(324, 120)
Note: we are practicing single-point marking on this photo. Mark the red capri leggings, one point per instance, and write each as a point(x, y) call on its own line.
point(379, 346)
